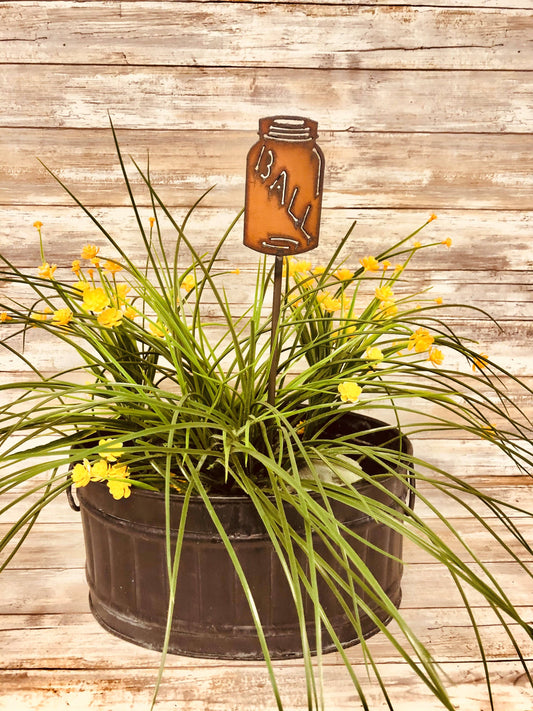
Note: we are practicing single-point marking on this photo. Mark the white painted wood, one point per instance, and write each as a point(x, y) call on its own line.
point(354, 100)
point(420, 171)
point(422, 107)
point(279, 34)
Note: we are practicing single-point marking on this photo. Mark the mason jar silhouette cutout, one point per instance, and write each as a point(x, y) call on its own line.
point(284, 178)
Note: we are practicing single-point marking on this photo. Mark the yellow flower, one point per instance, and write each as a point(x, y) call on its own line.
point(37, 224)
point(89, 251)
point(489, 430)
point(433, 217)
point(439, 300)
point(348, 330)
point(118, 487)
point(417, 245)
point(62, 317)
point(76, 266)
point(99, 471)
point(436, 356)
point(328, 302)
point(109, 318)
point(43, 315)
point(151, 220)
point(398, 268)
point(300, 427)
point(289, 266)
point(4, 316)
point(95, 262)
point(81, 474)
point(112, 267)
point(188, 282)
point(479, 362)
point(130, 313)
point(349, 391)
point(121, 291)
point(385, 265)
point(344, 274)
point(447, 242)
point(370, 264)
point(95, 299)
point(384, 293)
point(421, 340)
point(317, 271)
point(373, 353)
point(112, 449)
point(157, 330)
point(304, 266)
point(236, 271)
point(46, 271)
point(81, 285)
point(388, 308)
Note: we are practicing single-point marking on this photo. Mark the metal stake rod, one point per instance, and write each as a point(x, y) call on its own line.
point(274, 335)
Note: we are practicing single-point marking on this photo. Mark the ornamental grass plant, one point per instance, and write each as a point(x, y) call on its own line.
point(169, 395)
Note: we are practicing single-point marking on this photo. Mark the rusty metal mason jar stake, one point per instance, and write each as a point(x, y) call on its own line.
point(284, 177)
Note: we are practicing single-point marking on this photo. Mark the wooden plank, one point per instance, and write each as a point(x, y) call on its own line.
point(506, 4)
point(494, 242)
point(380, 170)
point(510, 350)
point(238, 686)
point(506, 295)
point(226, 98)
point(78, 642)
point(282, 35)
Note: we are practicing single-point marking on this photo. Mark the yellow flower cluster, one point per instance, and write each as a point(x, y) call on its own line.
point(106, 469)
point(95, 299)
point(479, 362)
point(369, 264)
point(349, 391)
point(188, 282)
point(293, 266)
point(344, 274)
point(328, 302)
point(62, 317)
point(90, 251)
point(436, 356)
point(421, 340)
point(107, 306)
point(331, 304)
point(109, 318)
point(373, 353)
point(46, 271)
point(112, 267)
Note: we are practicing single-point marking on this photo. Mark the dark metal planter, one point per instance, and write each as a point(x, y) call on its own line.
point(128, 583)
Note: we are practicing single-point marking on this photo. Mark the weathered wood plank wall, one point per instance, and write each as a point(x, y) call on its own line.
point(423, 106)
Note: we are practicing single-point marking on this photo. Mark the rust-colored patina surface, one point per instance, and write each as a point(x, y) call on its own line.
point(284, 177)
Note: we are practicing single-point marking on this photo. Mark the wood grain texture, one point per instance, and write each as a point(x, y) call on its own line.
point(422, 107)
point(226, 689)
point(496, 242)
point(385, 170)
point(274, 35)
point(79, 96)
